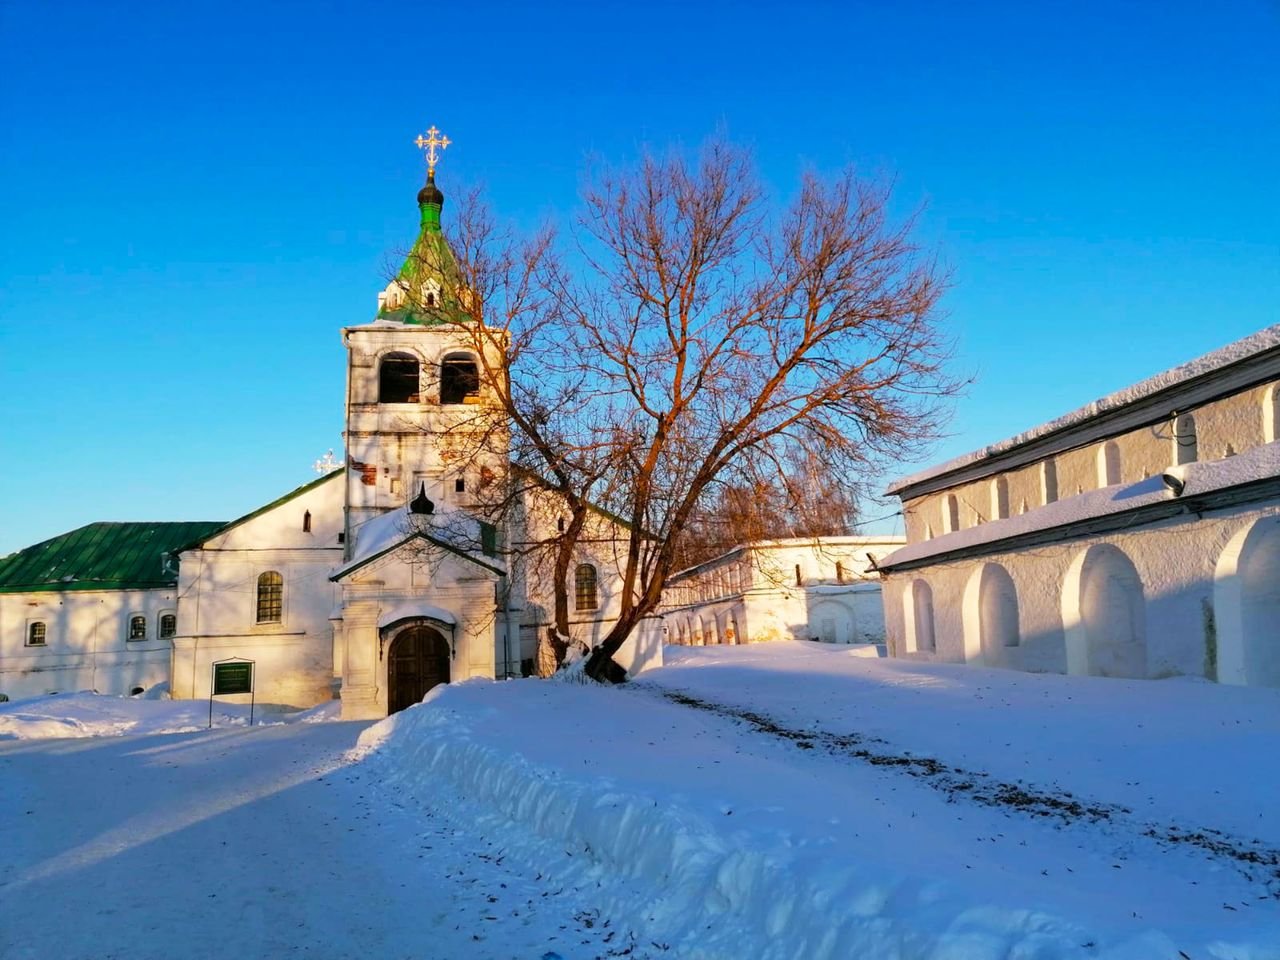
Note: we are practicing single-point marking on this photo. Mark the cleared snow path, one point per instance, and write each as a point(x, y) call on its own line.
point(254, 843)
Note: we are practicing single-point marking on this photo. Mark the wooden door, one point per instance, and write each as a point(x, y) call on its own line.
point(417, 661)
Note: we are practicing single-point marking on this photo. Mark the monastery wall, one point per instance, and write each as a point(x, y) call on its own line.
point(87, 645)
point(1221, 428)
point(1160, 600)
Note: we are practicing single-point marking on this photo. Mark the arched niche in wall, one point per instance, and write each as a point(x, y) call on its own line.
point(1109, 464)
point(917, 602)
point(999, 498)
point(1246, 604)
point(1104, 614)
point(1270, 413)
point(991, 628)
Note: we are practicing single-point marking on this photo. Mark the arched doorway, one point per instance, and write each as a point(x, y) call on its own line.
point(417, 661)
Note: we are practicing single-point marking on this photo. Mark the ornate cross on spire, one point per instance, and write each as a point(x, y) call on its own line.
point(429, 144)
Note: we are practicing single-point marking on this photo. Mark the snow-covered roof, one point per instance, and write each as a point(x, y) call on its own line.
point(456, 531)
point(415, 610)
point(1232, 353)
point(1258, 463)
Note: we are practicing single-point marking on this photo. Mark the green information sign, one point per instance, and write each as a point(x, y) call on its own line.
point(232, 678)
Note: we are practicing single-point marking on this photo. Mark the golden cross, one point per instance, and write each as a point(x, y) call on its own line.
point(429, 144)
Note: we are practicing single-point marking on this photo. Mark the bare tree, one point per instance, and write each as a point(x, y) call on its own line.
point(703, 341)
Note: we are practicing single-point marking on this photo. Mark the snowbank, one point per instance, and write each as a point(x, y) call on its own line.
point(723, 843)
point(89, 714)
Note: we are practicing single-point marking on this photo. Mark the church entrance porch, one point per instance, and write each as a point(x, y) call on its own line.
point(417, 661)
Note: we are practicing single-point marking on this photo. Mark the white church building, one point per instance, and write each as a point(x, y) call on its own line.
point(1138, 536)
point(373, 583)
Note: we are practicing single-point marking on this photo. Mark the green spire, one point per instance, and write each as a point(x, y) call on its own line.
point(429, 277)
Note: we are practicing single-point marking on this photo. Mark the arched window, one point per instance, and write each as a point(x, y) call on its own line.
point(1049, 480)
point(398, 379)
point(270, 597)
point(1109, 464)
point(1185, 445)
point(137, 627)
point(36, 633)
point(999, 498)
point(306, 522)
point(950, 514)
point(459, 379)
point(168, 625)
point(584, 587)
point(1270, 413)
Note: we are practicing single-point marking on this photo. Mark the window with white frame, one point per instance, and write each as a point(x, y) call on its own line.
point(37, 633)
point(137, 627)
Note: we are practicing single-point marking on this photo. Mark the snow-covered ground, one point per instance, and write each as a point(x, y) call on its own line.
point(90, 714)
point(263, 842)
point(801, 801)
point(775, 801)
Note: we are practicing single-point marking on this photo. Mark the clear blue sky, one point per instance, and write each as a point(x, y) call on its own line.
point(196, 196)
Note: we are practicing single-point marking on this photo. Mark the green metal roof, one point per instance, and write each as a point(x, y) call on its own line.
point(102, 556)
point(429, 259)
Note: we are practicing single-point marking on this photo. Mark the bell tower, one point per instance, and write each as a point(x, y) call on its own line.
point(418, 417)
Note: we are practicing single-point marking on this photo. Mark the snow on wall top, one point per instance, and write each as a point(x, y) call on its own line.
point(1201, 366)
point(1257, 463)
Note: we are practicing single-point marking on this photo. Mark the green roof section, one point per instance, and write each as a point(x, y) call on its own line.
point(103, 556)
point(222, 527)
point(430, 259)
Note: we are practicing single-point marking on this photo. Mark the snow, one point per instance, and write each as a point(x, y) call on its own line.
point(88, 714)
point(1232, 353)
point(455, 529)
point(262, 842)
point(408, 611)
point(799, 800)
point(782, 800)
point(1256, 463)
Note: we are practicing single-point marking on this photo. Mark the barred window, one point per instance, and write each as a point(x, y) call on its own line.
point(585, 587)
point(168, 625)
point(270, 597)
point(36, 634)
point(138, 627)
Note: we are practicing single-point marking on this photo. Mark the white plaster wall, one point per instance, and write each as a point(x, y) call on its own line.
point(217, 602)
point(1234, 423)
point(87, 645)
point(1177, 562)
point(410, 442)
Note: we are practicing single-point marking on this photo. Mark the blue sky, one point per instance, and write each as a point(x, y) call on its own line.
point(197, 196)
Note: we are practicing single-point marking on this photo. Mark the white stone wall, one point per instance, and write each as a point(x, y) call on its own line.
point(217, 601)
point(1228, 425)
point(781, 590)
point(400, 446)
point(1195, 596)
point(86, 641)
point(453, 584)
